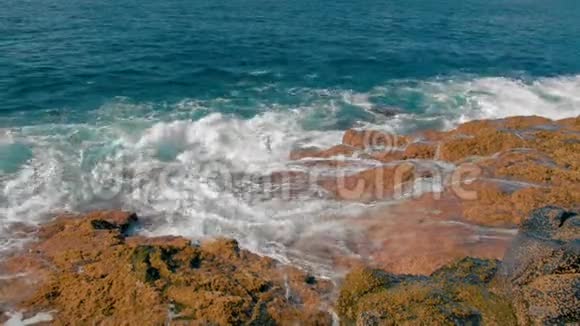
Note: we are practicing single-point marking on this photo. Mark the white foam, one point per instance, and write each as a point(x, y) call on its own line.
point(160, 166)
point(494, 98)
point(17, 319)
point(361, 100)
point(554, 98)
point(118, 166)
point(447, 103)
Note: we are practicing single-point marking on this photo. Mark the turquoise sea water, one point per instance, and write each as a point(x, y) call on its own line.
point(60, 60)
point(100, 99)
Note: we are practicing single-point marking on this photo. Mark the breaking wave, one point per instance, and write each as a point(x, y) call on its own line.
point(132, 156)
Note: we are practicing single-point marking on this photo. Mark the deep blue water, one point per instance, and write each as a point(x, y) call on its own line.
point(119, 103)
point(62, 58)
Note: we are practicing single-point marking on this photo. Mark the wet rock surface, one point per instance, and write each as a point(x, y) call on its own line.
point(465, 190)
point(537, 283)
point(416, 237)
point(432, 199)
point(515, 164)
point(371, 185)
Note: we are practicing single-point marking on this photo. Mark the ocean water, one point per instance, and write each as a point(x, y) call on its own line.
point(123, 104)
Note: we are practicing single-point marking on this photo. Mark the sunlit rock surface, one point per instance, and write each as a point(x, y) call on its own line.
point(88, 270)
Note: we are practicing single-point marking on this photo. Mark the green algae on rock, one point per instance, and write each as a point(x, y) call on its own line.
point(537, 283)
point(98, 274)
point(94, 272)
point(454, 295)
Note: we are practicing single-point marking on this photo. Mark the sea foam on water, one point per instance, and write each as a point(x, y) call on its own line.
point(202, 177)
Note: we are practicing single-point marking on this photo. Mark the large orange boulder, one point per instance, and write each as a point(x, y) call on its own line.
point(98, 274)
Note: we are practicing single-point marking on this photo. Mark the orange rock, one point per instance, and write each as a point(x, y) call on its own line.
point(432, 135)
point(420, 150)
point(365, 139)
point(497, 207)
point(164, 241)
point(517, 122)
point(525, 122)
point(484, 143)
point(528, 199)
point(476, 126)
point(89, 270)
point(20, 276)
point(563, 147)
point(523, 165)
point(570, 123)
point(532, 150)
point(96, 274)
point(492, 206)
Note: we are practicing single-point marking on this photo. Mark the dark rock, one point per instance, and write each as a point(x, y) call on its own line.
point(103, 225)
point(113, 220)
point(541, 271)
point(309, 279)
point(552, 223)
point(470, 270)
point(387, 111)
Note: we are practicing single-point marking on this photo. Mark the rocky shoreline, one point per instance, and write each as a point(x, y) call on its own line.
point(430, 257)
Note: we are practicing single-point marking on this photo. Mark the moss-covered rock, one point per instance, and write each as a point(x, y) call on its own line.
point(454, 295)
point(96, 274)
point(541, 271)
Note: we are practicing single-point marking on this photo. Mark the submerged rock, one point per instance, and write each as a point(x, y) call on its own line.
point(338, 150)
point(387, 111)
point(372, 184)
